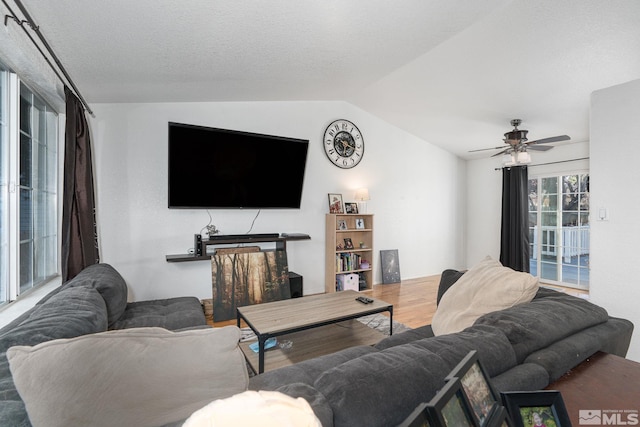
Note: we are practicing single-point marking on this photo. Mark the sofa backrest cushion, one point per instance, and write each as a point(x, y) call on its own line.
point(486, 287)
point(67, 314)
point(109, 283)
point(132, 377)
point(447, 279)
point(382, 388)
point(494, 349)
point(550, 317)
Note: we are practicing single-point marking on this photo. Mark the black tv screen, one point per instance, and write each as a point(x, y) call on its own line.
point(219, 168)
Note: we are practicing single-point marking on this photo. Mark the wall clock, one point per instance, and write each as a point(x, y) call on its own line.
point(343, 143)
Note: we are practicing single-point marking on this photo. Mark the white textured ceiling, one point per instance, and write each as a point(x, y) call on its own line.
point(453, 72)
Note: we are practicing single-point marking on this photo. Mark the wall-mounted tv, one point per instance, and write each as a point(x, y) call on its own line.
point(228, 169)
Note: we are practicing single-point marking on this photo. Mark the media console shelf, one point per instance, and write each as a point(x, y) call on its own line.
point(280, 241)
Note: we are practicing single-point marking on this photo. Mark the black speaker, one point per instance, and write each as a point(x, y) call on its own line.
point(197, 244)
point(295, 284)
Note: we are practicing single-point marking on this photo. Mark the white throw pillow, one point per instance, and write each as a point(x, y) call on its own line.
point(485, 288)
point(131, 377)
point(256, 408)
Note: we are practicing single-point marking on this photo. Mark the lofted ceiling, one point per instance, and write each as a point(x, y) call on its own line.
point(452, 72)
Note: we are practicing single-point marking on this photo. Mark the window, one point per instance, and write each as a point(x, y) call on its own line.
point(28, 189)
point(559, 229)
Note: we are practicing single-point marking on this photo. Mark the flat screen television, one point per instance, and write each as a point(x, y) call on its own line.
point(228, 169)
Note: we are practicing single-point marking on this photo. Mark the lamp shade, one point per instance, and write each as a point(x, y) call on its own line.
point(524, 157)
point(362, 194)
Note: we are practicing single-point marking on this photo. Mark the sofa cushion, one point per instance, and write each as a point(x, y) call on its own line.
point(109, 283)
point(485, 288)
point(382, 388)
point(141, 377)
point(525, 377)
point(545, 320)
point(306, 371)
point(405, 337)
point(316, 399)
point(172, 313)
point(67, 314)
point(447, 279)
point(493, 347)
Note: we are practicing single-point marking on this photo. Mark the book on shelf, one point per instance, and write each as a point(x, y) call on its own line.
point(348, 261)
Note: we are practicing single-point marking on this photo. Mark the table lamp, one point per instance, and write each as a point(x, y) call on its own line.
point(362, 195)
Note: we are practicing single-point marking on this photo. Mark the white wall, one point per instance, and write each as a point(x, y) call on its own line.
point(417, 193)
point(615, 145)
point(484, 189)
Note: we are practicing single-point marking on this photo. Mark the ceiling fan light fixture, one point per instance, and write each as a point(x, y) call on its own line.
point(508, 159)
point(523, 158)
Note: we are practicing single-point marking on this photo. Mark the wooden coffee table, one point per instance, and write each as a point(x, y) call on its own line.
point(605, 383)
point(325, 314)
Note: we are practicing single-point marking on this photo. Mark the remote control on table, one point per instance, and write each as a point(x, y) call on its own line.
point(364, 300)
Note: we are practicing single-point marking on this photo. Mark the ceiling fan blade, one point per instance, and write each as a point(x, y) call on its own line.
point(540, 147)
point(549, 140)
point(508, 150)
point(486, 149)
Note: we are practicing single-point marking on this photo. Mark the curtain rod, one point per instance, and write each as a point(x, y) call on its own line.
point(28, 21)
point(548, 163)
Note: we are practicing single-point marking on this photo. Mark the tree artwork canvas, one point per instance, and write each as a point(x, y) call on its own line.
point(241, 279)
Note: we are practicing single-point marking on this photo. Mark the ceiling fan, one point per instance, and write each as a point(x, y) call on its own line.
point(519, 144)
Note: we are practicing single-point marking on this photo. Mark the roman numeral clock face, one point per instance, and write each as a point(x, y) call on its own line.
point(343, 144)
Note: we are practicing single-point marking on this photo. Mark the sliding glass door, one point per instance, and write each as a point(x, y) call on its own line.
point(559, 229)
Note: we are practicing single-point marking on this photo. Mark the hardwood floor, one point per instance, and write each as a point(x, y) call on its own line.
point(414, 300)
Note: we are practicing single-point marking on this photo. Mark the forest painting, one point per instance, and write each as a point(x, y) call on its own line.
point(241, 279)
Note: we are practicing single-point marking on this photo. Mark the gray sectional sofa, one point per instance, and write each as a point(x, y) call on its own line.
point(522, 348)
point(94, 301)
point(525, 347)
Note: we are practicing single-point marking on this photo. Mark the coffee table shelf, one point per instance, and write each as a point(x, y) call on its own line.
point(285, 317)
point(313, 343)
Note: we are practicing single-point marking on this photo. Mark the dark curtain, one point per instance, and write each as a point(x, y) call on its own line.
point(79, 232)
point(514, 236)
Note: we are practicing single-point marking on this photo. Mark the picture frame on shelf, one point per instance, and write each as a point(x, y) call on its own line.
point(348, 244)
point(527, 408)
point(351, 208)
point(482, 396)
point(336, 205)
point(342, 224)
point(450, 407)
point(359, 223)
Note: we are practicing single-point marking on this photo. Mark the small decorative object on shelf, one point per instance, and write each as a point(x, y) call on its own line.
point(351, 208)
point(348, 244)
point(359, 223)
point(342, 224)
point(212, 230)
point(336, 206)
point(345, 282)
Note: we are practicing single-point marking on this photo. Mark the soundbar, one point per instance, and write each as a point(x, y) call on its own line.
point(244, 236)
